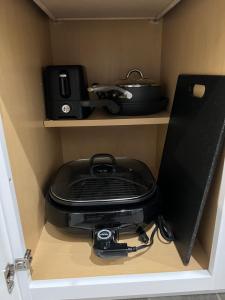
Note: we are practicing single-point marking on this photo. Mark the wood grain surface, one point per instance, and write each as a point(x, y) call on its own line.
point(101, 118)
point(57, 249)
point(34, 151)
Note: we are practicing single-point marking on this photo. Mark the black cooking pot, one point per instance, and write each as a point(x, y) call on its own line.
point(134, 97)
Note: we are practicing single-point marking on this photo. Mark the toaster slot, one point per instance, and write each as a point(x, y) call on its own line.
point(64, 85)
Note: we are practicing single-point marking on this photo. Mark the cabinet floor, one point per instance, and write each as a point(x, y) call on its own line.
point(58, 249)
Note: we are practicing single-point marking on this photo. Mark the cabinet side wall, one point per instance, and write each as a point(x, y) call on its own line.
point(108, 49)
point(33, 150)
point(193, 42)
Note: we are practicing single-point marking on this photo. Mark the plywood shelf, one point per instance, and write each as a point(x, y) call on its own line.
point(100, 118)
point(64, 255)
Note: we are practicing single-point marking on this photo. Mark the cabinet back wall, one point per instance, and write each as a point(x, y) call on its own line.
point(108, 48)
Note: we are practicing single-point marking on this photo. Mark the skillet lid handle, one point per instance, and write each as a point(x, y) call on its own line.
point(102, 163)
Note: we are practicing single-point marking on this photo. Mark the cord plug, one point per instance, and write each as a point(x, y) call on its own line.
point(143, 235)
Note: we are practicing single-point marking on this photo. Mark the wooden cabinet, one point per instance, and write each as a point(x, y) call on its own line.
point(190, 39)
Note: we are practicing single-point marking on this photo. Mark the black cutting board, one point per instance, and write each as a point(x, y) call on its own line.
point(193, 143)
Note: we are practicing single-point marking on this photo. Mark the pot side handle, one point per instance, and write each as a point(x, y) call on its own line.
point(108, 88)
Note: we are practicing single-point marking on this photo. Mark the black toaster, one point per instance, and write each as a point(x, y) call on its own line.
point(66, 92)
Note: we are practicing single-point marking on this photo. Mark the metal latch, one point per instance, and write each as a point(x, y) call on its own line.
point(21, 264)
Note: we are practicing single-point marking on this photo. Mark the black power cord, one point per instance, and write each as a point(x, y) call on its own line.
point(105, 242)
point(160, 226)
point(165, 229)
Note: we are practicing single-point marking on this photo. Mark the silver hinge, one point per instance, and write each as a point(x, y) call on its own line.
point(21, 264)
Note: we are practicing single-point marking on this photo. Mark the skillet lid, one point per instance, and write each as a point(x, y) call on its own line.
point(102, 180)
point(135, 78)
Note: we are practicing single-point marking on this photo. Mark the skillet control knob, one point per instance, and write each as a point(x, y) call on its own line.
point(66, 108)
point(104, 234)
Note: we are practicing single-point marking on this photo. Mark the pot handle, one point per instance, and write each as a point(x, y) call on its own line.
point(135, 71)
point(110, 104)
point(108, 88)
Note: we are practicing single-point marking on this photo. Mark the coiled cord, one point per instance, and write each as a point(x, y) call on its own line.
point(160, 226)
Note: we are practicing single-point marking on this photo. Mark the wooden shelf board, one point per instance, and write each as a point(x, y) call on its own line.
point(102, 119)
point(64, 255)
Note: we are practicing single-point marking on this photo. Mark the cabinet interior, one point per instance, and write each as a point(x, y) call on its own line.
point(100, 9)
point(181, 43)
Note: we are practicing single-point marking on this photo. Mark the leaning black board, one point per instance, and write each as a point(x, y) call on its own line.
point(193, 143)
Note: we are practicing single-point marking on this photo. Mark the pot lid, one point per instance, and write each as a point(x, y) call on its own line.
point(135, 78)
point(102, 180)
